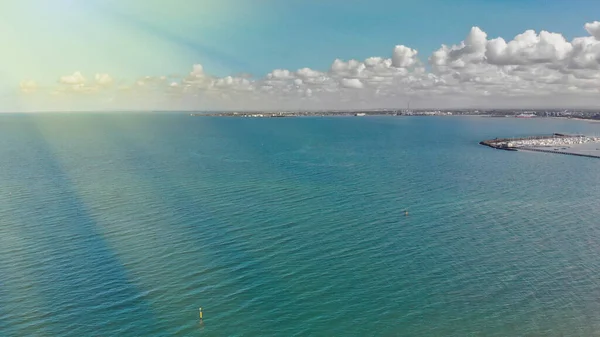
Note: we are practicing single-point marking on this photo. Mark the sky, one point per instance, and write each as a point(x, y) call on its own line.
point(113, 55)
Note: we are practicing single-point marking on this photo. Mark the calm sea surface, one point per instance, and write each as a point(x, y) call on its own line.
point(124, 225)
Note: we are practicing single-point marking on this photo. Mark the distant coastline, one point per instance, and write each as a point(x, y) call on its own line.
point(586, 115)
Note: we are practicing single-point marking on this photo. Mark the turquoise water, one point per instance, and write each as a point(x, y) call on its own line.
point(123, 225)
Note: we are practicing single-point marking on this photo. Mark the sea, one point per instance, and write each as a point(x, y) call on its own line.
point(129, 224)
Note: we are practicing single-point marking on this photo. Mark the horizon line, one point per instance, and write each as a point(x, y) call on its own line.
point(299, 110)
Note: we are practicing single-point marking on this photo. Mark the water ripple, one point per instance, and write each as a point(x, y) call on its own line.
point(277, 229)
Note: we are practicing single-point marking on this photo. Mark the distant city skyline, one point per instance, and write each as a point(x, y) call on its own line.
point(97, 55)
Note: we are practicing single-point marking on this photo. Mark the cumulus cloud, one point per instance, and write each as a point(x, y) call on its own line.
point(280, 74)
point(103, 79)
point(404, 57)
point(593, 28)
point(28, 86)
point(470, 51)
point(532, 68)
point(75, 79)
point(353, 83)
point(529, 48)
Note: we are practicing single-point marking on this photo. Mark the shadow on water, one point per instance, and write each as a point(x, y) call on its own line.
point(85, 286)
point(308, 242)
point(235, 277)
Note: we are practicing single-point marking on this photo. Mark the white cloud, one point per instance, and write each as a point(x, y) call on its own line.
point(529, 48)
point(593, 28)
point(197, 71)
point(353, 83)
point(28, 86)
point(470, 51)
point(307, 73)
point(75, 79)
point(404, 57)
point(280, 74)
point(585, 54)
point(103, 79)
point(530, 69)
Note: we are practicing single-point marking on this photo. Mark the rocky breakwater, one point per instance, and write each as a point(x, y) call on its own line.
point(556, 143)
point(553, 142)
point(510, 144)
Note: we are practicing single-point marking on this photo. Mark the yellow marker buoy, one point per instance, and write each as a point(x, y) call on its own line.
point(200, 309)
point(405, 213)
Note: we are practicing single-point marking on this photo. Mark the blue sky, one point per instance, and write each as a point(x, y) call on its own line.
point(48, 39)
point(257, 36)
point(312, 33)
